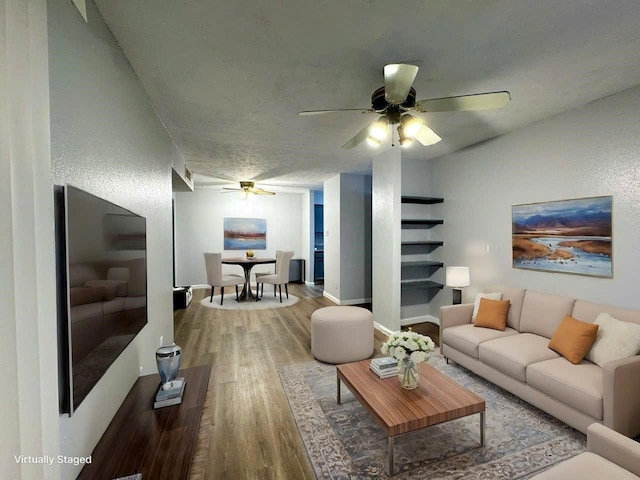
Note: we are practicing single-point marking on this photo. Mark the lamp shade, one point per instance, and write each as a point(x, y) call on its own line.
point(457, 277)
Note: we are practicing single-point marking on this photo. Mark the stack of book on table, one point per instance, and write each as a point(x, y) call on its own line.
point(384, 367)
point(172, 396)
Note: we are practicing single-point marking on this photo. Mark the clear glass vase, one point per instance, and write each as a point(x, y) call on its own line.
point(408, 374)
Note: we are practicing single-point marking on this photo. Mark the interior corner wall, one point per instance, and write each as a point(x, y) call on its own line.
point(355, 239)
point(308, 225)
point(590, 151)
point(347, 239)
point(331, 215)
point(107, 139)
point(199, 220)
point(386, 238)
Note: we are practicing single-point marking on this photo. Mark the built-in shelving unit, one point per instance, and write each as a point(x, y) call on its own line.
point(416, 284)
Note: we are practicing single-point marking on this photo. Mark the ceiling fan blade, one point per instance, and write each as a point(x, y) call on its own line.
point(308, 113)
point(477, 101)
point(426, 136)
point(259, 191)
point(359, 137)
point(416, 128)
point(398, 78)
point(232, 189)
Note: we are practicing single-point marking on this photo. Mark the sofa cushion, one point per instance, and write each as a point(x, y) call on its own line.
point(573, 338)
point(615, 339)
point(513, 354)
point(480, 296)
point(579, 386)
point(586, 466)
point(516, 297)
point(492, 314)
point(542, 312)
point(466, 338)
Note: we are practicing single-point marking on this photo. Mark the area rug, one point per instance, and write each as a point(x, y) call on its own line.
point(268, 301)
point(344, 442)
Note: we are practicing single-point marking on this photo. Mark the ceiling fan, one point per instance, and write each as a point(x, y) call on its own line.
point(248, 187)
point(397, 97)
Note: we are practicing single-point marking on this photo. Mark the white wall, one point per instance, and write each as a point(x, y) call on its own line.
point(347, 242)
point(106, 139)
point(386, 187)
point(199, 220)
point(331, 215)
point(590, 151)
point(29, 405)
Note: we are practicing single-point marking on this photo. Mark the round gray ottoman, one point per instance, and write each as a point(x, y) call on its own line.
point(341, 334)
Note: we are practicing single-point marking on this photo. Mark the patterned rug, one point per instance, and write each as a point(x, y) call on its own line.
point(344, 442)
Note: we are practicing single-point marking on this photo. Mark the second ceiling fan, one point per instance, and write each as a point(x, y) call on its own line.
point(397, 97)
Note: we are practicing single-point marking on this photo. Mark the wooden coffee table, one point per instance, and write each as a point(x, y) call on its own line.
point(437, 399)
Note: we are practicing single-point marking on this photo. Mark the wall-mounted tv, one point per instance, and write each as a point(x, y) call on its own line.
point(102, 288)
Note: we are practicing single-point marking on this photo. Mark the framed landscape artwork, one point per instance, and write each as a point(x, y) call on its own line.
point(245, 234)
point(568, 236)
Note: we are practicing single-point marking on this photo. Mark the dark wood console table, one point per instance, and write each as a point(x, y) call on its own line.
point(156, 443)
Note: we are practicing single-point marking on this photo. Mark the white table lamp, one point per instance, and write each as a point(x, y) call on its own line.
point(457, 278)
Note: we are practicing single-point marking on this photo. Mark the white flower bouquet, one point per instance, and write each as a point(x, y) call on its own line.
point(401, 345)
point(409, 349)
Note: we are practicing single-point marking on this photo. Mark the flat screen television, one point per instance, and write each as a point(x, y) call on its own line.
point(102, 288)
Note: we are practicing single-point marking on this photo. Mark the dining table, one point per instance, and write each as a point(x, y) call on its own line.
point(247, 263)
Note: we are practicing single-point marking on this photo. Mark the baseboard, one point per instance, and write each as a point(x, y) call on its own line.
point(352, 301)
point(420, 319)
point(311, 284)
point(382, 328)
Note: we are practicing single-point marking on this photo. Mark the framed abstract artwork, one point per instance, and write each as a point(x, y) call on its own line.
point(245, 234)
point(567, 236)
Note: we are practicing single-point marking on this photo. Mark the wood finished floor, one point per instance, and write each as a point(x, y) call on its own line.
point(253, 433)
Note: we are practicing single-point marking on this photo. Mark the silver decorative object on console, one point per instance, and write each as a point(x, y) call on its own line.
point(172, 387)
point(168, 361)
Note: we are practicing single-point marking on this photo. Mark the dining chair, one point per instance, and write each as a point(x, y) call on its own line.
point(281, 277)
point(215, 278)
point(261, 274)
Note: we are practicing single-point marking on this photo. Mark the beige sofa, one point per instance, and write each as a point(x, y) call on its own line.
point(609, 455)
point(518, 359)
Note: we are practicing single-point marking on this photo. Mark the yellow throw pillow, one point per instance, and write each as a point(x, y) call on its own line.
point(492, 314)
point(573, 338)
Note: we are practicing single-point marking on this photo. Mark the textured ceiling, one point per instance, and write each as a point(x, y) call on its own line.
point(228, 77)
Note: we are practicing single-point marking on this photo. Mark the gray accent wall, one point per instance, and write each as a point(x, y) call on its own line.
point(591, 151)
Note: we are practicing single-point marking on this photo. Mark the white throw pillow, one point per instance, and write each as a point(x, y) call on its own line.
point(476, 304)
point(615, 339)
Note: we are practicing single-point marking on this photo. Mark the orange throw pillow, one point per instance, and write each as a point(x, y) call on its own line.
point(492, 314)
point(573, 339)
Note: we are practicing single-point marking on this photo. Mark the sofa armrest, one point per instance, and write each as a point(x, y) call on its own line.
point(614, 446)
point(452, 315)
point(621, 395)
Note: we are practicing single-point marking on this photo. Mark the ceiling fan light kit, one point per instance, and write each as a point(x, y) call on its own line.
point(393, 100)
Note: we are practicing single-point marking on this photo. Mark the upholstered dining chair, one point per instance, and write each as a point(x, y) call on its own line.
point(281, 277)
point(261, 274)
point(213, 262)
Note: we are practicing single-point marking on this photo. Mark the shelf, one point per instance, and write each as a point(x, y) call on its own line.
point(420, 223)
point(422, 200)
point(426, 263)
point(424, 242)
point(420, 283)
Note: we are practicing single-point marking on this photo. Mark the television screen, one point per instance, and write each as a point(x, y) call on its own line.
point(102, 255)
